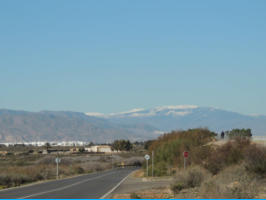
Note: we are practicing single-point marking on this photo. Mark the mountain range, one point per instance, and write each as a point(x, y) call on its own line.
point(136, 124)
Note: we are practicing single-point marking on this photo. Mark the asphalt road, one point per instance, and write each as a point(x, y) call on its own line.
point(90, 186)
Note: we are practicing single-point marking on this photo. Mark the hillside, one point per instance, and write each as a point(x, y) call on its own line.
point(137, 124)
point(21, 126)
point(168, 118)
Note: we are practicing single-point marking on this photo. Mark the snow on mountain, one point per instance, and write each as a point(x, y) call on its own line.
point(136, 124)
point(167, 118)
point(177, 110)
point(95, 114)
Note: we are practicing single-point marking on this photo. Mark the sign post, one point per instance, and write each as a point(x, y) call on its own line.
point(57, 160)
point(147, 157)
point(112, 161)
point(185, 154)
point(152, 162)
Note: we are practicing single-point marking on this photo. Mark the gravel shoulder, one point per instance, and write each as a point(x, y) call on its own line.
point(135, 184)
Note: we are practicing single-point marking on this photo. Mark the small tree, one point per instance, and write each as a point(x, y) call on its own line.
point(47, 145)
point(122, 145)
point(239, 133)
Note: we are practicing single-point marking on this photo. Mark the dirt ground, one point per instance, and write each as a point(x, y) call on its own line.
point(147, 187)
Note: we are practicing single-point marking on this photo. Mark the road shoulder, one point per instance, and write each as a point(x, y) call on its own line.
point(134, 184)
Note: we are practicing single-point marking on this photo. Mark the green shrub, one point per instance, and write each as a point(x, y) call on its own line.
point(160, 169)
point(169, 148)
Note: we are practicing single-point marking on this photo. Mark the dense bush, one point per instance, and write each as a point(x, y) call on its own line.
point(168, 149)
point(230, 153)
point(231, 183)
point(190, 178)
point(160, 169)
point(239, 133)
point(14, 179)
point(255, 159)
point(134, 161)
point(122, 145)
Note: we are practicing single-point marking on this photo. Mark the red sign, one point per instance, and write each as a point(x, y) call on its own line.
point(185, 154)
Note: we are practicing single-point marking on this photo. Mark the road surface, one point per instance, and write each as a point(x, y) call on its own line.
point(90, 186)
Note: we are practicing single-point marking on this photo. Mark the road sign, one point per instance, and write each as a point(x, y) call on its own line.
point(185, 154)
point(147, 157)
point(58, 160)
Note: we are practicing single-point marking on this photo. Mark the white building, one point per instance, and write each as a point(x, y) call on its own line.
point(99, 149)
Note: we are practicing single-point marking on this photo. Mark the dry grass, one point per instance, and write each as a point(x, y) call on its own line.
point(190, 178)
point(233, 182)
point(157, 193)
point(22, 169)
point(139, 174)
point(255, 159)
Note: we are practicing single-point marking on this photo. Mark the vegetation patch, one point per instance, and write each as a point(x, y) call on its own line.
point(168, 149)
point(190, 178)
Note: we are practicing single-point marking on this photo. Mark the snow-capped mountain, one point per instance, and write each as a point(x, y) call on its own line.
point(179, 110)
point(136, 124)
point(167, 118)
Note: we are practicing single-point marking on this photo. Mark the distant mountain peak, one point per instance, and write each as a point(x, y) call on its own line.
point(95, 114)
point(176, 107)
point(136, 124)
point(175, 110)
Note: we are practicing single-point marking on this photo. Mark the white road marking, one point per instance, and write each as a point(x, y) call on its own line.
point(65, 187)
point(114, 188)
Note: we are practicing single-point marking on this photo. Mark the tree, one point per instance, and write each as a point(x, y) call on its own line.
point(239, 133)
point(147, 144)
point(47, 145)
point(122, 145)
point(82, 150)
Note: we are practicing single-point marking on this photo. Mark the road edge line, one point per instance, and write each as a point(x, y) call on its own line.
point(115, 187)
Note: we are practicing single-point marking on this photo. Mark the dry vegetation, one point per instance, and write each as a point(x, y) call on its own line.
point(16, 170)
point(234, 169)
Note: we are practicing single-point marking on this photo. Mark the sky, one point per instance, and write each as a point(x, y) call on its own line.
point(111, 56)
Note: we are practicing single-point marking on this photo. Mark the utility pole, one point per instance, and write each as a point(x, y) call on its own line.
point(147, 157)
point(57, 171)
point(112, 161)
point(147, 168)
point(152, 162)
point(57, 160)
point(185, 154)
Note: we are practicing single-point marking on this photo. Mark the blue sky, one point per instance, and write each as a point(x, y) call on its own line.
point(111, 56)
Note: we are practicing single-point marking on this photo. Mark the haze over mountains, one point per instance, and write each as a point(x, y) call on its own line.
point(137, 124)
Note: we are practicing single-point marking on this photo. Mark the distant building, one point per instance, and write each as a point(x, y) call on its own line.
point(44, 151)
point(99, 149)
point(74, 150)
point(3, 153)
point(43, 143)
